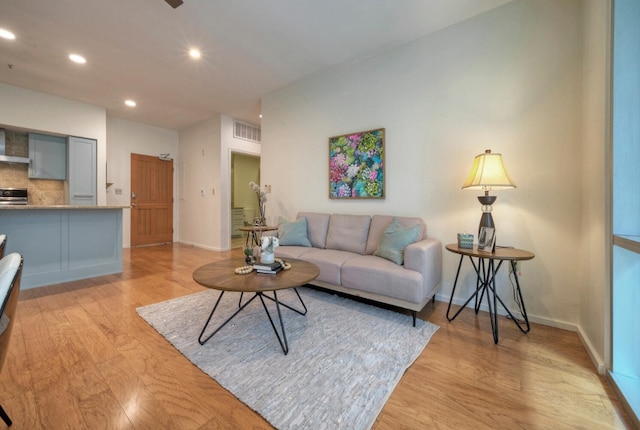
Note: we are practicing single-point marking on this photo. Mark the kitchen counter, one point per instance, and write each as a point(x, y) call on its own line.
point(64, 207)
point(63, 243)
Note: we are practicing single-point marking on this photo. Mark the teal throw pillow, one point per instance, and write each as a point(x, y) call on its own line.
point(293, 233)
point(395, 238)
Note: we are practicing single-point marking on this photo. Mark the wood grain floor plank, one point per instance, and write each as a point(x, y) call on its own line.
point(102, 411)
point(93, 338)
point(15, 380)
point(135, 398)
point(58, 406)
point(23, 410)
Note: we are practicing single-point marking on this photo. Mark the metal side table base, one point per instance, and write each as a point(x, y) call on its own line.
point(486, 271)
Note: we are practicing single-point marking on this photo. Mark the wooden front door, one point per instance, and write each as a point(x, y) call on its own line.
point(151, 200)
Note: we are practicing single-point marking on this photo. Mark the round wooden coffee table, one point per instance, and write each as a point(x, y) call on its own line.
point(221, 276)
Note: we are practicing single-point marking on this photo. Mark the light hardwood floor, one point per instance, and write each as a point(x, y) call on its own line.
point(81, 358)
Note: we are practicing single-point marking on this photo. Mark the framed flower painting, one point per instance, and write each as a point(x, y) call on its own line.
point(356, 165)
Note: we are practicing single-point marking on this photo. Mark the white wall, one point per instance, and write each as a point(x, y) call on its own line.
point(509, 80)
point(199, 185)
point(36, 111)
point(596, 161)
point(125, 138)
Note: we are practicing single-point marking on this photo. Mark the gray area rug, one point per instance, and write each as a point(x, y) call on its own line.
point(345, 357)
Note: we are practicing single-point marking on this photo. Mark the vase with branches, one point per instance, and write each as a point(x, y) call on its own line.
point(262, 199)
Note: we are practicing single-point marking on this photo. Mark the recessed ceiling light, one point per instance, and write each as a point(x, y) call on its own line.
point(6, 34)
point(195, 53)
point(130, 103)
point(77, 58)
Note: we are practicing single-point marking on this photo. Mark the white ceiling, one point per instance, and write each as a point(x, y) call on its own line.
point(138, 48)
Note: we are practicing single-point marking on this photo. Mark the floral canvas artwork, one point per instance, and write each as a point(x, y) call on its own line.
point(356, 165)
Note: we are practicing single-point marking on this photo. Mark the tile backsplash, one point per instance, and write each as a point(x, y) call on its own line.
point(41, 191)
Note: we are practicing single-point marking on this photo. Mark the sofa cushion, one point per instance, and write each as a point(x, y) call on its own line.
point(329, 261)
point(395, 238)
point(293, 233)
point(380, 222)
point(317, 226)
point(296, 252)
point(380, 276)
point(348, 233)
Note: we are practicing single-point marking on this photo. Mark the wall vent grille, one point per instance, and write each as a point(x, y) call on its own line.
point(243, 130)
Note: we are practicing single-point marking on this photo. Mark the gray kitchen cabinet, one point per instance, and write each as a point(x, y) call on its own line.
point(47, 157)
point(82, 182)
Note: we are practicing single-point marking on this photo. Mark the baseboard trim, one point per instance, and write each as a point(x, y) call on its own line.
point(615, 380)
point(532, 318)
point(199, 245)
point(598, 362)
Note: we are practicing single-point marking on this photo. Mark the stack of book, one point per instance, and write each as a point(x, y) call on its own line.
point(270, 268)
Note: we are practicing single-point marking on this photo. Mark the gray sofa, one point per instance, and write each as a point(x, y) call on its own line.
point(349, 251)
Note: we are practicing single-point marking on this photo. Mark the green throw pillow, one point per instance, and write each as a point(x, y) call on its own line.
point(293, 233)
point(394, 239)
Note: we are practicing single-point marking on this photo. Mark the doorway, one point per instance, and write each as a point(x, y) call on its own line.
point(151, 200)
point(244, 202)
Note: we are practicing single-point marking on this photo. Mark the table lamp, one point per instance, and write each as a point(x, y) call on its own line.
point(488, 173)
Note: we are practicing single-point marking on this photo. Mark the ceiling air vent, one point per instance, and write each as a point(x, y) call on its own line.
point(242, 130)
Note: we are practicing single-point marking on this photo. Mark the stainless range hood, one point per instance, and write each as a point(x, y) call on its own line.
point(9, 158)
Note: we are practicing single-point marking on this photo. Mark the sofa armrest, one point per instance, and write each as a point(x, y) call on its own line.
point(425, 257)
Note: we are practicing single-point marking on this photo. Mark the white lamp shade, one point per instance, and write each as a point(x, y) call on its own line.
point(488, 173)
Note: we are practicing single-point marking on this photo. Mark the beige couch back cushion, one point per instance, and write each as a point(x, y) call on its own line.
point(317, 226)
point(380, 222)
point(348, 233)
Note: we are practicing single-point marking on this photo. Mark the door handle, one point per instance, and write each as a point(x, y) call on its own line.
point(133, 195)
point(133, 204)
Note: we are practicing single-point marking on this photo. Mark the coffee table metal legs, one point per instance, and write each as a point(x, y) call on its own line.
point(240, 308)
point(281, 338)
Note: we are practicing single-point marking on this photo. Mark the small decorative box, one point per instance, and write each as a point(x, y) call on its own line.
point(465, 240)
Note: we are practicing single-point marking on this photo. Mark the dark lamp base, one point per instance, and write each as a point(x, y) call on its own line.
point(486, 220)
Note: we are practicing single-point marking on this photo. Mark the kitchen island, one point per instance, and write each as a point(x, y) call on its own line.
point(63, 243)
